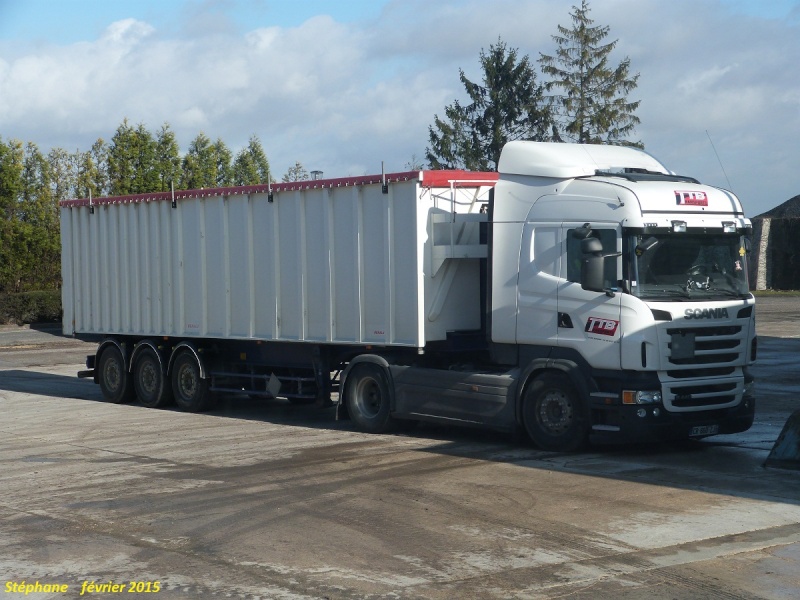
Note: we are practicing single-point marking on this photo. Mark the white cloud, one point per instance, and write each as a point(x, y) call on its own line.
point(125, 33)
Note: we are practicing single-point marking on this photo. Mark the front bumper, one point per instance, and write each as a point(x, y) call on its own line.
point(624, 423)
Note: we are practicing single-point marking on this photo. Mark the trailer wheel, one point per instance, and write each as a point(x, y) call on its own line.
point(367, 398)
point(190, 390)
point(151, 385)
point(554, 415)
point(114, 379)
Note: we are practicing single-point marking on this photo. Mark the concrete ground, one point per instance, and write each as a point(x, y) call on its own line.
point(269, 500)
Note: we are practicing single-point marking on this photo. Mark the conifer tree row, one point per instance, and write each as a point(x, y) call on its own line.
point(134, 161)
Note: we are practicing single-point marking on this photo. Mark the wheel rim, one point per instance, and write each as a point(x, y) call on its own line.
point(187, 382)
point(368, 397)
point(555, 414)
point(148, 378)
point(112, 375)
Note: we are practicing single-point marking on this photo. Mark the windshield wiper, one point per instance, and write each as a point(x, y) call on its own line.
point(679, 293)
point(728, 292)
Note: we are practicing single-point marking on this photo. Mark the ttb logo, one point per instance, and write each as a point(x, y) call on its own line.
point(601, 326)
point(691, 198)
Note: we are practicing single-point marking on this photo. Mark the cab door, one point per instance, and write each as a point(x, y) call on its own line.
point(537, 286)
point(589, 322)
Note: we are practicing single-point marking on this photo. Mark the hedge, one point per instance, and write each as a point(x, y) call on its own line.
point(30, 307)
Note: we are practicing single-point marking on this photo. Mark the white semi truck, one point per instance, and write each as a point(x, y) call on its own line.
point(582, 292)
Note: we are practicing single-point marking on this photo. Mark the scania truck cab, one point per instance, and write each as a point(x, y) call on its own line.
point(630, 291)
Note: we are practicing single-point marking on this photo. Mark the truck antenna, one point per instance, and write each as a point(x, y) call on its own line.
point(730, 187)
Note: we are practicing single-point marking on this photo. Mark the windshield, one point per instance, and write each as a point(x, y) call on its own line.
point(674, 266)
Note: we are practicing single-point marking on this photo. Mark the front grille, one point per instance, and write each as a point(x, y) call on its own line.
point(693, 395)
point(705, 359)
point(707, 331)
point(703, 366)
point(719, 345)
point(695, 373)
point(705, 395)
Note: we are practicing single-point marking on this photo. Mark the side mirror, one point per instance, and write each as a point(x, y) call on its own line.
point(592, 273)
point(593, 266)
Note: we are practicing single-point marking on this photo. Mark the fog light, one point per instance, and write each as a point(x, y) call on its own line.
point(656, 412)
point(641, 413)
point(728, 227)
point(679, 226)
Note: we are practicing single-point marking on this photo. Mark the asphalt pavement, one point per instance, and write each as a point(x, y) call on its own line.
point(269, 500)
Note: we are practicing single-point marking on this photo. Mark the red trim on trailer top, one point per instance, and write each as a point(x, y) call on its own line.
point(426, 179)
point(460, 178)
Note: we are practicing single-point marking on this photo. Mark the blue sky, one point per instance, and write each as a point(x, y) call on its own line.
point(342, 85)
point(69, 21)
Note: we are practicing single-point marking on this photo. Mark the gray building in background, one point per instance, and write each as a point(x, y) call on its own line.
point(775, 259)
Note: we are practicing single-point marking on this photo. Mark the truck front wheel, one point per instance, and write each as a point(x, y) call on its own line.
point(367, 396)
point(151, 385)
point(554, 415)
point(189, 388)
point(114, 379)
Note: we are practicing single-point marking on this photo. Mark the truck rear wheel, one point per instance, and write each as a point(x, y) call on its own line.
point(114, 379)
point(190, 389)
point(554, 415)
point(151, 385)
point(367, 397)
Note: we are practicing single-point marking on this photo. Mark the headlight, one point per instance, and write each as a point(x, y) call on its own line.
point(749, 388)
point(641, 397)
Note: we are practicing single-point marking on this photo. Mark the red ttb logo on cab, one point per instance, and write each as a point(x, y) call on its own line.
point(601, 326)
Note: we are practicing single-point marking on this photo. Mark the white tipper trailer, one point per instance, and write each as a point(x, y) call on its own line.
point(582, 292)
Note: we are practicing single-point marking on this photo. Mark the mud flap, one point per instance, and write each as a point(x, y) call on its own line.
point(785, 453)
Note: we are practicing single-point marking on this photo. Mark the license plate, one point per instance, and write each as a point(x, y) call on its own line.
point(704, 430)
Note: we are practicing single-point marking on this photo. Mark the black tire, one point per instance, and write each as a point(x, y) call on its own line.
point(189, 389)
point(368, 399)
point(114, 379)
point(554, 415)
point(152, 387)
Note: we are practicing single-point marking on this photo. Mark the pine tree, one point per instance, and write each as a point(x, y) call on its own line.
point(63, 172)
point(145, 168)
point(168, 160)
point(244, 169)
point(121, 160)
point(199, 166)
point(251, 166)
point(593, 106)
point(98, 177)
point(132, 161)
point(509, 105)
point(35, 244)
point(87, 175)
point(224, 166)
